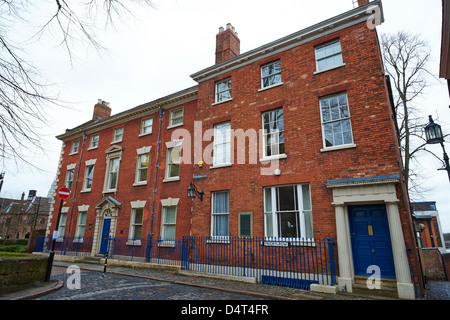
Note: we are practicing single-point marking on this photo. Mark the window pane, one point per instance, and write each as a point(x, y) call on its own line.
point(174, 170)
point(137, 232)
point(269, 224)
point(288, 224)
point(306, 197)
point(138, 213)
point(267, 200)
point(170, 214)
point(169, 232)
point(286, 199)
point(220, 225)
point(245, 224)
point(221, 202)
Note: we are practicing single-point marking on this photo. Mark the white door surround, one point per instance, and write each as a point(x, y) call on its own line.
point(370, 190)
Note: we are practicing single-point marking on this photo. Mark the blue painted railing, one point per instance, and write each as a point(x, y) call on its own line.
point(296, 263)
point(74, 246)
point(289, 262)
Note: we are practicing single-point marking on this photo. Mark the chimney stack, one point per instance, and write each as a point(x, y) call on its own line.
point(101, 110)
point(228, 44)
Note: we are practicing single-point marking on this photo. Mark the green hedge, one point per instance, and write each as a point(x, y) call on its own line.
point(12, 242)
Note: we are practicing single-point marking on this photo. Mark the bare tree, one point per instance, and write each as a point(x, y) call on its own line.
point(24, 94)
point(406, 56)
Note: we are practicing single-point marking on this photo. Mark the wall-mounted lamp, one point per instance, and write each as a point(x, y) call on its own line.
point(192, 192)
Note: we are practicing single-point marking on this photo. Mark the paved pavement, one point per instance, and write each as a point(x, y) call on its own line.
point(136, 283)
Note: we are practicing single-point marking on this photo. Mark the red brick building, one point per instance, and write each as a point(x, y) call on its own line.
point(294, 139)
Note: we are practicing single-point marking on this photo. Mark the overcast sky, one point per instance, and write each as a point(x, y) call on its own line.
point(155, 54)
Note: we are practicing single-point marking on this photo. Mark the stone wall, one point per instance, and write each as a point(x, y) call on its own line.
point(21, 272)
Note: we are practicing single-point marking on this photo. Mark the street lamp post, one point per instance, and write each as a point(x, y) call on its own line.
point(433, 133)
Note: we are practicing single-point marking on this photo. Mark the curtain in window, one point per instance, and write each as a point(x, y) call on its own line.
point(221, 209)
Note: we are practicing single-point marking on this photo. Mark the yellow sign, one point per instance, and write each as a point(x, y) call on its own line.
point(370, 230)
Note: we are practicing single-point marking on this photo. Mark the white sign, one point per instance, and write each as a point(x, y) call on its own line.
point(55, 234)
point(275, 243)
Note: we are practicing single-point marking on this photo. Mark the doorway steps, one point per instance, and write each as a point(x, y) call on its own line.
point(386, 290)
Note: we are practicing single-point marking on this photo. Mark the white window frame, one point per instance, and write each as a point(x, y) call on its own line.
point(169, 202)
point(271, 213)
point(170, 146)
point(144, 151)
point(340, 120)
point(219, 93)
point(146, 128)
point(331, 55)
point(134, 224)
point(135, 205)
point(75, 147)
point(275, 133)
point(173, 118)
point(118, 134)
point(62, 224)
point(69, 175)
point(222, 140)
point(113, 153)
point(274, 74)
point(93, 143)
point(81, 222)
point(214, 215)
point(166, 224)
point(89, 164)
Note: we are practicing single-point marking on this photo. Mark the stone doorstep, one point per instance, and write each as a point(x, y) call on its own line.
point(387, 290)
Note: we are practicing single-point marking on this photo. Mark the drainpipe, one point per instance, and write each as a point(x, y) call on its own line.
point(150, 235)
point(74, 190)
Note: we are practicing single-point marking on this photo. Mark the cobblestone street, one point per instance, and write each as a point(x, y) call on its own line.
point(96, 286)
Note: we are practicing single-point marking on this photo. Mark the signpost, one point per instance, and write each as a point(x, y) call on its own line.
point(63, 193)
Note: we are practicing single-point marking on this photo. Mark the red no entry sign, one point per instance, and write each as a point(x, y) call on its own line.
point(63, 193)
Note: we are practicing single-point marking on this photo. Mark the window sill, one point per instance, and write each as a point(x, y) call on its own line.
point(175, 125)
point(133, 243)
point(223, 240)
point(118, 141)
point(332, 68)
point(167, 244)
point(92, 148)
point(85, 190)
point(270, 87)
point(274, 157)
point(171, 179)
point(144, 134)
point(217, 166)
point(73, 153)
point(109, 191)
point(141, 183)
point(78, 240)
point(223, 101)
point(336, 148)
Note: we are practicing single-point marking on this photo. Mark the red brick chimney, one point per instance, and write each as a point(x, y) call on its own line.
point(101, 110)
point(228, 44)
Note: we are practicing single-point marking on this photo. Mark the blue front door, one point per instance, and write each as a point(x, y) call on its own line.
point(371, 240)
point(105, 235)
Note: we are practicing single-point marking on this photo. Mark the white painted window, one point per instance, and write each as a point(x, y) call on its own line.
point(220, 214)
point(287, 211)
point(273, 132)
point(328, 55)
point(271, 74)
point(223, 90)
point(336, 125)
point(222, 144)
